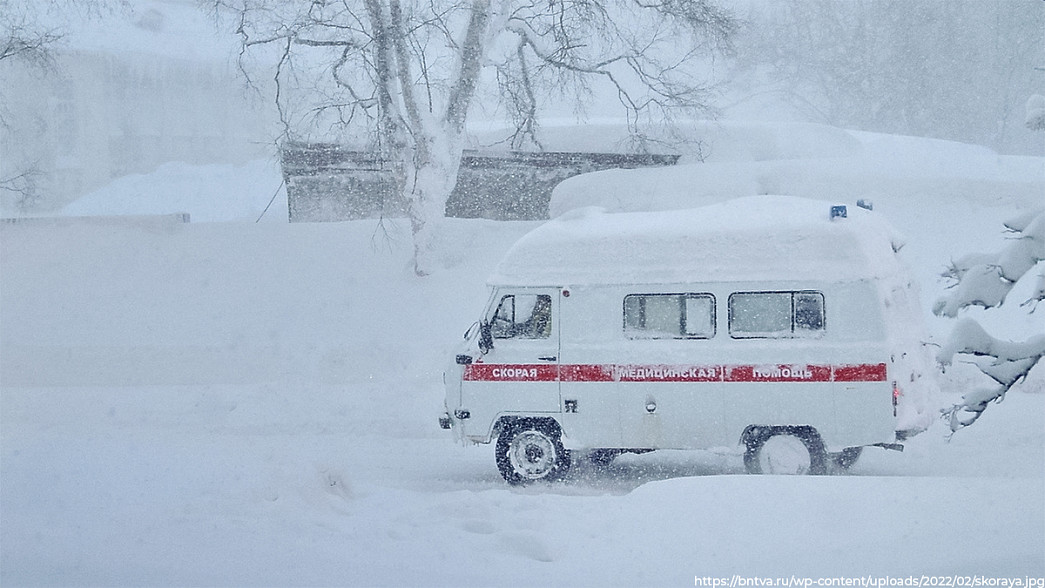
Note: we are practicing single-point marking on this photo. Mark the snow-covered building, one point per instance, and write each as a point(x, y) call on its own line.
point(130, 91)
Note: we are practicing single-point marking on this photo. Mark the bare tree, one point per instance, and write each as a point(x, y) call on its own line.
point(986, 280)
point(30, 34)
point(30, 30)
point(405, 73)
point(23, 185)
point(23, 38)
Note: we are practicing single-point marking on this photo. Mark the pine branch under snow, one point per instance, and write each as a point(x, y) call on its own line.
point(985, 280)
point(1005, 362)
point(1010, 361)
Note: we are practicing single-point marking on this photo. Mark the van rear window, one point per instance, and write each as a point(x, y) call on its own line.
point(669, 316)
point(775, 314)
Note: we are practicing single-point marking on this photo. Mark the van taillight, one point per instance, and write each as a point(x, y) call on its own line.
point(896, 397)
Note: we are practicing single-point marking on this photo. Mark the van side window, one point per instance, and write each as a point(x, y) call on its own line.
point(523, 316)
point(775, 314)
point(809, 311)
point(669, 316)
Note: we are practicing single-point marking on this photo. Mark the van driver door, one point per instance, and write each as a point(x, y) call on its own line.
point(520, 373)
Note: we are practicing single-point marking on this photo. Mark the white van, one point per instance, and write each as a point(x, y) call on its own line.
point(784, 324)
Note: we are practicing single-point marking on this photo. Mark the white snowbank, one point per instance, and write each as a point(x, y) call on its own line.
point(887, 166)
point(208, 193)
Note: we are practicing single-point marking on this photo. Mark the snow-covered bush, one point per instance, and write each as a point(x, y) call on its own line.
point(986, 280)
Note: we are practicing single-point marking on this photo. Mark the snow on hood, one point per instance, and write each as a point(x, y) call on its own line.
point(754, 238)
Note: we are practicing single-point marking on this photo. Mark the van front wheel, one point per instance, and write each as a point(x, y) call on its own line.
point(785, 451)
point(528, 451)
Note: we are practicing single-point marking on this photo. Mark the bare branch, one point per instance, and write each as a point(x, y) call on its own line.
point(24, 185)
point(22, 38)
point(284, 58)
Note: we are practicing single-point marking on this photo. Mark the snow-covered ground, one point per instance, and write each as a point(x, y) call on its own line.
point(233, 403)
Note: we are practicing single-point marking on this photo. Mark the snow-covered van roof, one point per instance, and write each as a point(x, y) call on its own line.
point(779, 238)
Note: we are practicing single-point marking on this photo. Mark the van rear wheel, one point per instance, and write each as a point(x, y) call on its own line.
point(787, 451)
point(529, 451)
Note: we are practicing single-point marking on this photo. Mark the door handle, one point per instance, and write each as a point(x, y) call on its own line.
point(548, 358)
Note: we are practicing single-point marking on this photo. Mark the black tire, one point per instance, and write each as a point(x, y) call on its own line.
point(758, 460)
point(531, 450)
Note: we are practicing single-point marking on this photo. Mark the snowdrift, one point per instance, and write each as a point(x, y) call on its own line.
point(207, 193)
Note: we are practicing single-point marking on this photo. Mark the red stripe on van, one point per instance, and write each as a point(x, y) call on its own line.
point(868, 372)
point(669, 373)
point(484, 372)
point(585, 373)
point(492, 372)
point(778, 373)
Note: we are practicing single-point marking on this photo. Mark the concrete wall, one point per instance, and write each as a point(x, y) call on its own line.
point(328, 183)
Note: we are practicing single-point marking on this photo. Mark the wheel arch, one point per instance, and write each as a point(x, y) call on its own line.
point(506, 421)
point(755, 435)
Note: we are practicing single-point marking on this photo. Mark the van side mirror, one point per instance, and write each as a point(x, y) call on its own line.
point(485, 337)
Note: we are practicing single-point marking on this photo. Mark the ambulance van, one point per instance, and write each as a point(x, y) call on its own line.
point(785, 326)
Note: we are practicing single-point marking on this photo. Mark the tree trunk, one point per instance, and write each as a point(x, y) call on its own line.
point(428, 186)
point(432, 157)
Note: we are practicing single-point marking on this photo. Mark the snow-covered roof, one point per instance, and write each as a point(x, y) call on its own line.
point(747, 239)
point(703, 141)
